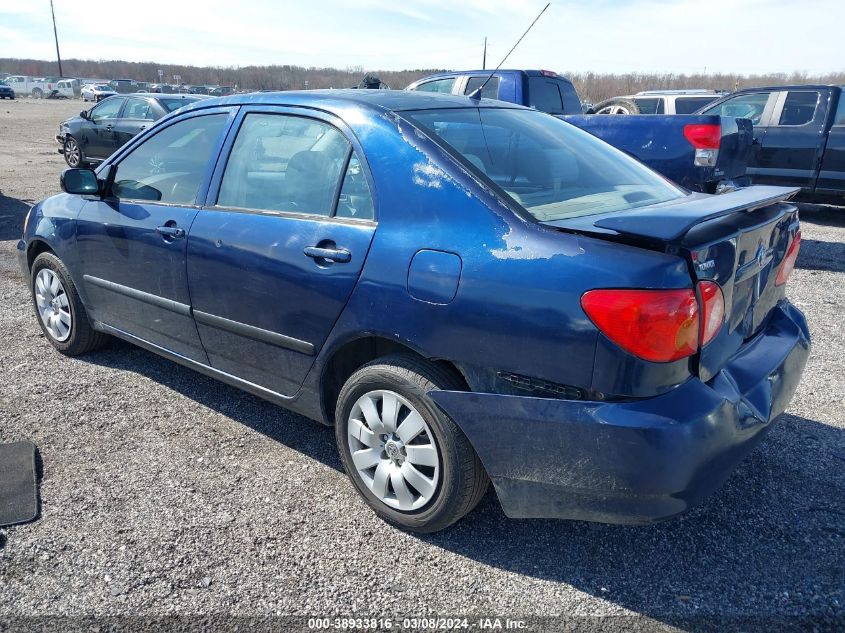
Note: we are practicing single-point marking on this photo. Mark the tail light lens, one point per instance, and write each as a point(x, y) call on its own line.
point(705, 138)
point(712, 310)
point(788, 262)
point(656, 325)
point(703, 135)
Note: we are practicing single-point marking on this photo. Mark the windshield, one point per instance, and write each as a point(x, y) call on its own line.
point(551, 168)
point(174, 104)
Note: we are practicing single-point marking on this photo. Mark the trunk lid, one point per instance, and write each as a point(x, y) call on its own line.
point(738, 240)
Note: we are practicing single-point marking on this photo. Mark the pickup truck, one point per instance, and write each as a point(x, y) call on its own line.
point(798, 137)
point(38, 87)
point(701, 153)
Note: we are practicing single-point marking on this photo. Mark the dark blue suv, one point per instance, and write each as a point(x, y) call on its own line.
point(464, 288)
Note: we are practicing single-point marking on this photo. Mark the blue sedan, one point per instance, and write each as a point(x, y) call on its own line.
point(469, 291)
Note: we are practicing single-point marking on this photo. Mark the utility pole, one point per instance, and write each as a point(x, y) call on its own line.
point(483, 59)
point(56, 35)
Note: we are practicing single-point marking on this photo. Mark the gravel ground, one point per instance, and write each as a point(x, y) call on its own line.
point(165, 492)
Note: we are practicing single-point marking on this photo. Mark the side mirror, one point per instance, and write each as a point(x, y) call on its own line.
point(79, 181)
point(84, 114)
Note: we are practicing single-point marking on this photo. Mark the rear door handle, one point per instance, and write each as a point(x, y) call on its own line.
point(339, 255)
point(172, 232)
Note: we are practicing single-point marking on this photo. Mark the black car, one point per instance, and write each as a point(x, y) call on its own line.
point(222, 91)
point(96, 133)
point(6, 91)
point(799, 135)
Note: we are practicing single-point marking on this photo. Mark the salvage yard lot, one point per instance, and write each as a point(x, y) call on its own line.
point(165, 492)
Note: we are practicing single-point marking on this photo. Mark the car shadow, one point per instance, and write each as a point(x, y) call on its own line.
point(294, 431)
point(12, 213)
point(820, 255)
point(771, 540)
point(821, 213)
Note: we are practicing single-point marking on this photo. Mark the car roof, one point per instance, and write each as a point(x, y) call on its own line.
point(789, 87)
point(336, 100)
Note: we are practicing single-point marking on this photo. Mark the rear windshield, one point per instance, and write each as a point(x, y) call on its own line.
point(551, 168)
point(174, 104)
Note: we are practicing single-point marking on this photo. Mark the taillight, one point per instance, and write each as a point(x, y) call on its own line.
point(712, 310)
point(656, 325)
point(705, 138)
point(788, 262)
point(703, 135)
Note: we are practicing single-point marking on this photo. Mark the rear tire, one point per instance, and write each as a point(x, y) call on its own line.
point(59, 309)
point(454, 479)
point(37, 93)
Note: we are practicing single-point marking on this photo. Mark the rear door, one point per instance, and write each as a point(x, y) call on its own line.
point(794, 140)
point(276, 252)
point(832, 174)
point(137, 115)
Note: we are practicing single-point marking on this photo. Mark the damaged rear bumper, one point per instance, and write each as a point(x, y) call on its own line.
point(637, 461)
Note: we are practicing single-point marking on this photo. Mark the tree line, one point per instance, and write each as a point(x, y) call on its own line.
point(593, 87)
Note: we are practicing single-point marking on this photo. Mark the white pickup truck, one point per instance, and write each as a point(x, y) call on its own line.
point(37, 87)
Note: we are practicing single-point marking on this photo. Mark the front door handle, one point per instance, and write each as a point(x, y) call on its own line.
point(171, 232)
point(321, 255)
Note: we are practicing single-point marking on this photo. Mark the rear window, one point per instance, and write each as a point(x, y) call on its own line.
point(688, 105)
point(545, 94)
point(840, 110)
point(550, 168)
point(491, 88)
point(799, 108)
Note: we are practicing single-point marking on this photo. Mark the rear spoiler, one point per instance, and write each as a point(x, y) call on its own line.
point(671, 221)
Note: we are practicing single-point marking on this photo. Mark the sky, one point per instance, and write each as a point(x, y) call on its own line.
point(677, 36)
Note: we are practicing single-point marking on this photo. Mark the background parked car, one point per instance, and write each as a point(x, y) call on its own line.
point(221, 91)
point(96, 92)
point(702, 154)
point(162, 89)
point(62, 90)
point(657, 102)
point(95, 134)
point(26, 85)
point(6, 91)
point(123, 86)
point(799, 135)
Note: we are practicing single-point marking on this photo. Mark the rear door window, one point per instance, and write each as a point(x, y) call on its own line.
point(491, 88)
point(137, 109)
point(839, 119)
point(799, 108)
point(294, 164)
point(438, 85)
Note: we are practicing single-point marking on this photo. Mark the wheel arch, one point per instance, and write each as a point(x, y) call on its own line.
point(349, 356)
point(37, 246)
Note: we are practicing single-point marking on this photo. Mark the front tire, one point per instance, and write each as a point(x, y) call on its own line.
point(38, 93)
point(407, 459)
point(60, 312)
point(73, 152)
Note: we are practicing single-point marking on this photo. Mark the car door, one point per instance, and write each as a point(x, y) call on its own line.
point(794, 139)
point(276, 252)
point(756, 106)
point(132, 243)
point(137, 115)
point(98, 139)
point(832, 174)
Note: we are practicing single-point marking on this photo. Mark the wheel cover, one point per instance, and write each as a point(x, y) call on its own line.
point(393, 450)
point(53, 306)
point(72, 152)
